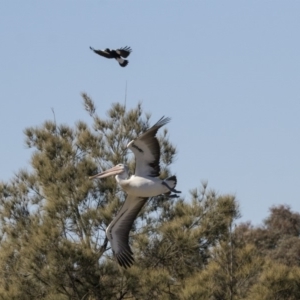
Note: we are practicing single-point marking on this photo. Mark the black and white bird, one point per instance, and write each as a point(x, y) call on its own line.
point(144, 184)
point(118, 54)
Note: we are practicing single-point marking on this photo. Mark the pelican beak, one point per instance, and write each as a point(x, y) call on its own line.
point(110, 172)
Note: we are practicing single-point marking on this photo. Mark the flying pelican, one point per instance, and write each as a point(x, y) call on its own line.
point(117, 54)
point(139, 187)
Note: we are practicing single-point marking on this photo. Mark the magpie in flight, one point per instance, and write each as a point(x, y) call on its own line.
point(117, 54)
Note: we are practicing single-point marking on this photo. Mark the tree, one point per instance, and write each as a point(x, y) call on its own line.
point(278, 238)
point(278, 282)
point(53, 218)
point(53, 221)
point(232, 267)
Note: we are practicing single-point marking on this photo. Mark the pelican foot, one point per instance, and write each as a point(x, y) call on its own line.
point(173, 196)
point(171, 189)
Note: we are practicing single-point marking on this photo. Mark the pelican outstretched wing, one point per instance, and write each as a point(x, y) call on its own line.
point(147, 151)
point(118, 230)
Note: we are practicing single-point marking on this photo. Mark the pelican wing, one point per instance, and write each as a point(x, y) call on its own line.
point(124, 52)
point(118, 230)
point(102, 53)
point(147, 151)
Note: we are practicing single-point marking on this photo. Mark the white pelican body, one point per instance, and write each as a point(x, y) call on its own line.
point(139, 187)
point(144, 186)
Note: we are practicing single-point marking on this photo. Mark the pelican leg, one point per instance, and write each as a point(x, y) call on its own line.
point(172, 196)
point(171, 189)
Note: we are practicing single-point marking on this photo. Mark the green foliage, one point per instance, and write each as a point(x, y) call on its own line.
point(232, 266)
point(53, 221)
point(277, 282)
point(278, 238)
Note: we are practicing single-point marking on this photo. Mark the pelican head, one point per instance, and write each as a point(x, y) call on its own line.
point(119, 169)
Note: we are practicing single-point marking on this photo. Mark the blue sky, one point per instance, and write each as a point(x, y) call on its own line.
point(226, 72)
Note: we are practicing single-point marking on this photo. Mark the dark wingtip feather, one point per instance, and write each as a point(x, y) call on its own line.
point(162, 121)
point(126, 48)
point(125, 260)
